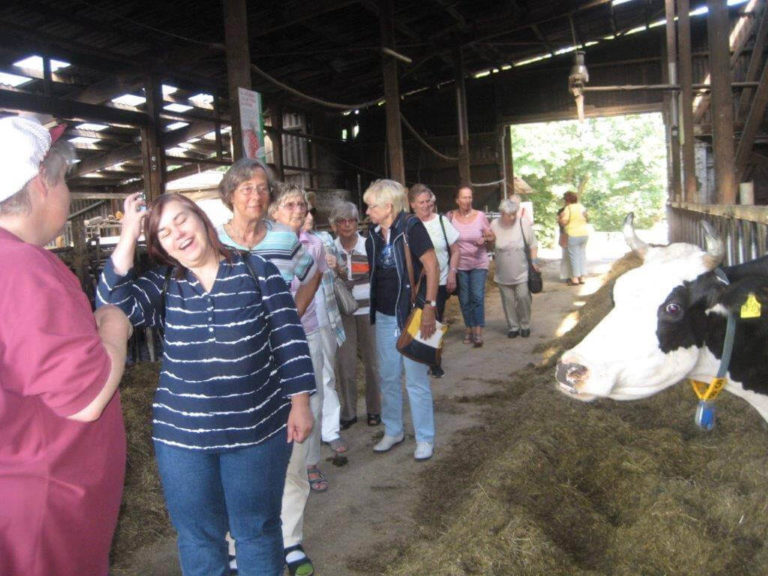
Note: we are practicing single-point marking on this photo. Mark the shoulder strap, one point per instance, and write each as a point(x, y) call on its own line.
point(409, 265)
point(445, 236)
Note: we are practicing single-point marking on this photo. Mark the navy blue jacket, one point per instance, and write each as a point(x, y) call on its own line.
point(404, 223)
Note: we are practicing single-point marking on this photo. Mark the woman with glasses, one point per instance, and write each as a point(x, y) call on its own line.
point(352, 266)
point(247, 190)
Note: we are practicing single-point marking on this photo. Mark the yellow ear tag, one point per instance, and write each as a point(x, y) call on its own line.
point(751, 308)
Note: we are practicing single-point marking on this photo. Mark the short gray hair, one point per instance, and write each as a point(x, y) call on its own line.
point(342, 210)
point(510, 205)
point(60, 157)
point(242, 171)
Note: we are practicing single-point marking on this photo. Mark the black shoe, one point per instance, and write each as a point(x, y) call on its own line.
point(513, 334)
point(437, 372)
point(374, 419)
point(525, 332)
point(347, 423)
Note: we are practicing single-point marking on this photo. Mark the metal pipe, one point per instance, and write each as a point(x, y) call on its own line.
point(635, 87)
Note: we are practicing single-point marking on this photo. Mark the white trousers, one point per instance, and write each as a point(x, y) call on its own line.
point(325, 405)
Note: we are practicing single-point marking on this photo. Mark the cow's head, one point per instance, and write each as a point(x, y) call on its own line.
point(646, 342)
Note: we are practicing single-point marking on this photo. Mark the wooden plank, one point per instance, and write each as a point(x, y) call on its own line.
point(69, 110)
point(238, 64)
point(754, 63)
point(391, 93)
point(465, 177)
point(722, 101)
point(153, 157)
point(670, 99)
point(752, 126)
point(686, 100)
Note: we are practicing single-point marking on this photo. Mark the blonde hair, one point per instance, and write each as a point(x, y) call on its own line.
point(385, 191)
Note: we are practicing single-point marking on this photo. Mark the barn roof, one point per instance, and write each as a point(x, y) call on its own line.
point(327, 49)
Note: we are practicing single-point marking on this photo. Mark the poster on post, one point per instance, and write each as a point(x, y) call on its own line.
point(251, 124)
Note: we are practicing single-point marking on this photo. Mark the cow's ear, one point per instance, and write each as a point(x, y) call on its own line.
point(753, 289)
point(706, 289)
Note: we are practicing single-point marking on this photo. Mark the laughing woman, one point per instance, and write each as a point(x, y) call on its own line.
point(234, 383)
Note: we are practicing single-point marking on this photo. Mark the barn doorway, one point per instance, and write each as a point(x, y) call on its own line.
point(615, 164)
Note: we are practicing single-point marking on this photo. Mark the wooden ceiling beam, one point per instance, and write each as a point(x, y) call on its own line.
point(68, 109)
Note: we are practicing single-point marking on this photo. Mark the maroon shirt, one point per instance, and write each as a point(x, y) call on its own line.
point(61, 481)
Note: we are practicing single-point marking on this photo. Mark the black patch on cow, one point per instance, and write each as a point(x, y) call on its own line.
point(682, 321)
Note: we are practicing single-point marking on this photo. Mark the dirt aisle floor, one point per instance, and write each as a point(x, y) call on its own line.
point(371, 498)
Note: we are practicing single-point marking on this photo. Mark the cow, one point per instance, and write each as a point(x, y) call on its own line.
point(668, 323)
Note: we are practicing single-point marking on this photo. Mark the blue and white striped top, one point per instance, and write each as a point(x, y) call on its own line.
point(232, 356)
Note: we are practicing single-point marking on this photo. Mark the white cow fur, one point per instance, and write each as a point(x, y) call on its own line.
point(622, 353)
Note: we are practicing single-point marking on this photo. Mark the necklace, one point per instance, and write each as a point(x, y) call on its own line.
point(240, 237)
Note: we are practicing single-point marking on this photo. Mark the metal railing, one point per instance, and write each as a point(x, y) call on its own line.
point(743, 229)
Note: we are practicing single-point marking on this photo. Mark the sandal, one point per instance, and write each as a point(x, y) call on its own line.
point(468, 339)
point(317, 480)
point(374, 419)
point(571, 282)
point(478, 341)
point(338, 445)
point(302, 566)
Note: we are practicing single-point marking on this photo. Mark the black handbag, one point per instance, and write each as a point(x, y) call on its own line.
point(535, 281)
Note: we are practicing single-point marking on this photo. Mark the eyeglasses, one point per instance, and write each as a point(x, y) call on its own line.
point(250, 190)
point(292, 205)
point(346, 221)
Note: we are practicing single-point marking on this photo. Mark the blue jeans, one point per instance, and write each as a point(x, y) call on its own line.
point(472, 296)
point(577, 255)
point(391, 365)
point(241, 491)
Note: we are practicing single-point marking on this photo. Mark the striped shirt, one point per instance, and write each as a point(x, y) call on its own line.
point(280, 246)
point(358, 272)
point(232, 357)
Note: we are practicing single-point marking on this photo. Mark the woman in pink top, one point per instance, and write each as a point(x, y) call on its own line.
point(474, 232)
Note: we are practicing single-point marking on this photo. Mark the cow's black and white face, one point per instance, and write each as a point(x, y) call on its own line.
point(645, 343)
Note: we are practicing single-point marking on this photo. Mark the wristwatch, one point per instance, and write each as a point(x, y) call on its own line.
point(432, 303)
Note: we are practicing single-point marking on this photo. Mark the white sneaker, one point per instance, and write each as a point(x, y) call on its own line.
point(388, 442)
point(423, 451)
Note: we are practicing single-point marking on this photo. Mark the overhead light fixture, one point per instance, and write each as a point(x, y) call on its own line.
point(35, 62)
point(129, 100)
point(13, 80)
point(576, 80)
point(401, 57)
point(92, 127)
point(176, 125)
point(175, 107)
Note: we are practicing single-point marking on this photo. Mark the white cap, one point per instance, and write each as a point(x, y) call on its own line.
point(24, 142)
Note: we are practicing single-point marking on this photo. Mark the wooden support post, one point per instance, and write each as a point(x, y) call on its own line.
point(754, 63)
point(686, 100)
point(463, 123)
point(670, 101)
point(238, 65)
point(152, 152)
point(752, 125)
point(276, 115)
point(391, 93)
point(722, 101)
point(508, 162)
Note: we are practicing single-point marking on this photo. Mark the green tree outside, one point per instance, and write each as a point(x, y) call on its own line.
point(615, 164)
